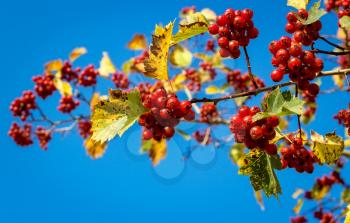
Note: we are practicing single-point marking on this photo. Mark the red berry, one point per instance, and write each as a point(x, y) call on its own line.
point(276, 75)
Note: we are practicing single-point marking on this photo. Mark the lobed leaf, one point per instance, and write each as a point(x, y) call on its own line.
point(328, 148)
point(76, 53)
point(156, 150)
point(298, 4)
point(180, 56)
point(95, 149)
point(106, 66)
point(138, 42)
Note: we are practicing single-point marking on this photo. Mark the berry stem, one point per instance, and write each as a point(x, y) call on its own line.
point(344, 52)
point(330, 43)
point(298, 116)
point(249, 67)
point(43, 116)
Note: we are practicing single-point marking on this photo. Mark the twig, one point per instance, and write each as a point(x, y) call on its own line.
point(344, 52)
point(299, 123)
point(251, 76)
point(330, 43)
point(43, 116)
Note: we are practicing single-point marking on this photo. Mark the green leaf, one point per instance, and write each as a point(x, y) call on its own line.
point(328, 148)
point(257, 164)
point(280, 104)
point(345, 22)
point(193, 25)
point(315, 13)
point(180, 56)
point(345, 195)
point(114, 116)
point(236, 153)
point(298, 4)
point(184, 134)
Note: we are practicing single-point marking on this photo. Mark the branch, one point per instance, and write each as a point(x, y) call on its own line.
point(344, 52)
point(330, 43)
point(251, 76)
point(214, 122)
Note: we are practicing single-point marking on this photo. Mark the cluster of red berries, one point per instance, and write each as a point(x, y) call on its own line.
point(22, 136)
point(343, 118)
point(210, 46)
point(324, 217)
point(298, 219)
point(342, 7)
point(235, 28)
point(208, 67)
point(67, 104)
point(120, 80)
point(188, 10)
point(297, 156)
point(165, 113)
point(200, 137)
point(44, 136)
point(21, 106)
point(301, 65)
point(304, 34)
point(44, 85)
point(254, 134)
point(193, 80)
point(241, 82)
point(141, 58)
point(68, 73)
point(88, 76)
point(84, 127)
point(343, 61)
point(208, 112)
point(144, 89)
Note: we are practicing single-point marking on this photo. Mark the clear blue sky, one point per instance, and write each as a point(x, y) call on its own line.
point(65, 185)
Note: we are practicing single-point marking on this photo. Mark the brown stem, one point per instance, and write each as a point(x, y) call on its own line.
point(251, 76)
point(43, 116)
point(344, 52)
point(330, 43)
point(298, 116)
point(214, 122)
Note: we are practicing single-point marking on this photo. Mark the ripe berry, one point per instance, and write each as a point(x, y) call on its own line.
point(213, 29)
point(256, 132)
point(276, 75)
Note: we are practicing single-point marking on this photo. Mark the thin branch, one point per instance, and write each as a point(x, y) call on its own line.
point(251, 76)
point(43, 116)
point(213, 122)
point(298, 116)
point(344, 52)
point(330, 43)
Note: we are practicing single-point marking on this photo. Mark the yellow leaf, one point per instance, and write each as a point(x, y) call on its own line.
point(95, 98)
point(347, 219)
point(298, 206)
point(180, 56)
point(157, 150)
point(128, 66)
point(194, 24)
point(209, 14)
point(106, 66)
point(76, 53)
point(298, 4)
point(138, 42)
point(54, 65)
point(329, 148)
point(63, 87)
point(259, 199)
point(347, 143)
point(339, 81)
point(95, 149)
point(212, 89)
point(156, 65)
point(318, 193)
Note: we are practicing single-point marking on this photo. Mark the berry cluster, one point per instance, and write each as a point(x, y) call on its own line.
point(88, 76)
point(144, 89)
point(304, 34)
point(324, 217)
point(84, 127)
point(235, 28)
point(343, 118)
point(44, 136)
point(298, 219)
point(208, 112)
point(241, 82)
point(120, 80)
point(254, 134)
point(301, 65)
point(344, 62)
point(193, 79)
point(44, 85)
point(208, 67)
point(68, 73)
point(341, 7)
point(297, 156)
point(141, 58)
point(200, 137)
point(165, 113)
point(21, 106)
point(210, 46)
point(22, 136)
point(67, 104)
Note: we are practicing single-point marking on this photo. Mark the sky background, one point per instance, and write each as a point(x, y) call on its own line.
point(65, 185)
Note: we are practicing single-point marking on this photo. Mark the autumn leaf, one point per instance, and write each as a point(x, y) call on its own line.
point(63, 87)
point(95, 149)
point(76, 53)
point(116, 115)
point(259, 199)
point(297, 193)
point(209, 14)
point(138, 42)
point(156, 150)
point(328, 148)
point(347, 219)
point(54, 65)
point(257, 164)
point(298, 4)
point(193, 25)
point(298, 206)
point(106, 66)
point(314, 14)
point(345, 22)
point(156, 65)
point(180, 56)
point(95, 98)
point(237, 152)
point(213, 89)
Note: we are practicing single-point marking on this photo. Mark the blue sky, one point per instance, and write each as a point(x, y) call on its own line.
point(65, 185)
